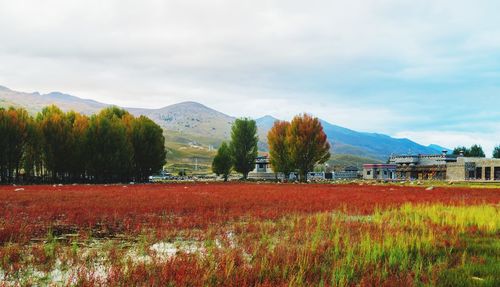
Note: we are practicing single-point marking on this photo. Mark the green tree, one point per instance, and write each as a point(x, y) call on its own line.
point(33, 157)
point(461, 150)
point(496, 152)
point(473, 151)
point(148, 145)
point(222, 163)
point(56, 137)
point(279, 149)
point(78, 154)
point(476, 151)
point(308, 144)
point(243, 145)
point(110, 152)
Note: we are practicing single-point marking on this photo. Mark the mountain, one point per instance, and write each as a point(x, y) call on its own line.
point(439, 149)
point(346, 141)
point(192, 127)
point(34, 102)
point(191, 118)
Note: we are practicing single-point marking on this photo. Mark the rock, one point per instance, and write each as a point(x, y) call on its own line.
point(19, 189)
point(430, 188)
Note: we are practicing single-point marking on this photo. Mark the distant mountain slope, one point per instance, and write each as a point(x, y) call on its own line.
point(201, 126)
point(34, 102)
point(191, 118)
point(438, 148)
point(373, 144)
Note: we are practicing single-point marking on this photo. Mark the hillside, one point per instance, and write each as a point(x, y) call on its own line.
point(191, 118)
point(34, 102)
point(192, 129)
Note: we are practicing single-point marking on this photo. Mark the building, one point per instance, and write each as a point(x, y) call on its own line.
point(379, 171)
point(263, 170)
point(436, 167)
point(473, 168)
point(422, 166)
point(350, 172)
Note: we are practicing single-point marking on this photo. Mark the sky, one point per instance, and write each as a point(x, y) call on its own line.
point(428, 70)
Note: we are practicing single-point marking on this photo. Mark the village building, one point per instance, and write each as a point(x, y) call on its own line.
point(350, 172)
point(422, 167)
point(378, 171)
point(435, 167)
point(473, 168)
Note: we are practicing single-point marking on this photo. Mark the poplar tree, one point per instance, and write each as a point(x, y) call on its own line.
point(148, 145)
point(56, 139)
point(279, 149)
point(243, 145)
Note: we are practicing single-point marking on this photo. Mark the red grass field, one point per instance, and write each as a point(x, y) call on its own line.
point(33, 211)
point(248, 235)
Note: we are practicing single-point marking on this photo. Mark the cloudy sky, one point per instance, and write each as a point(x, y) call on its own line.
point(428, 70)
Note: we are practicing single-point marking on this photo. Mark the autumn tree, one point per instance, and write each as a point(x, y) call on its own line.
point(243, 145)
point(222, 163)
point(308, 144)
point(279, 148)
point(496, 152)
point(14, 130)
point(56, 138)
point(108, 147)
point(148, 145)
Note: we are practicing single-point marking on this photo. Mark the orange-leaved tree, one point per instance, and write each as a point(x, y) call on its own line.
point(279, 149)
point(308, 144)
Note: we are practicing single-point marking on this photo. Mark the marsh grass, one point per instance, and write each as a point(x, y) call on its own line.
point(412, 245)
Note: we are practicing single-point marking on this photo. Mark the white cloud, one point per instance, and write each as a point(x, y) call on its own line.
point(255, 57)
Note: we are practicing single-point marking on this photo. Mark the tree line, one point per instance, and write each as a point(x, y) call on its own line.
point(295, 146)
point(56, 146)
point(475, 151)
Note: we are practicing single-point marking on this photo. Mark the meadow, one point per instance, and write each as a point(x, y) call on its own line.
point(239, 234)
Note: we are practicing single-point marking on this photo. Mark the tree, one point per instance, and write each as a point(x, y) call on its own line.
point(110, 152)
point(279, 148)
point(473, 151)
point(461, 150)
point(109, 147)
point(148, 146)
point(222, 163)
point(243, 145)
point(476, 151)
point(78, 154)
point(14, 130)
point(308, 144)
point(33, 157)
point(56, 137)
point(496, 152)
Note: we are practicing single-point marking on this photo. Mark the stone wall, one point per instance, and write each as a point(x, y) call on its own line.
point(465, 167)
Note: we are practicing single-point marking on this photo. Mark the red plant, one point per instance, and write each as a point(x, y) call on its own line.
point(105, 211)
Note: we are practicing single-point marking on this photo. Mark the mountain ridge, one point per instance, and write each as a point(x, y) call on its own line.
point(192, 119)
